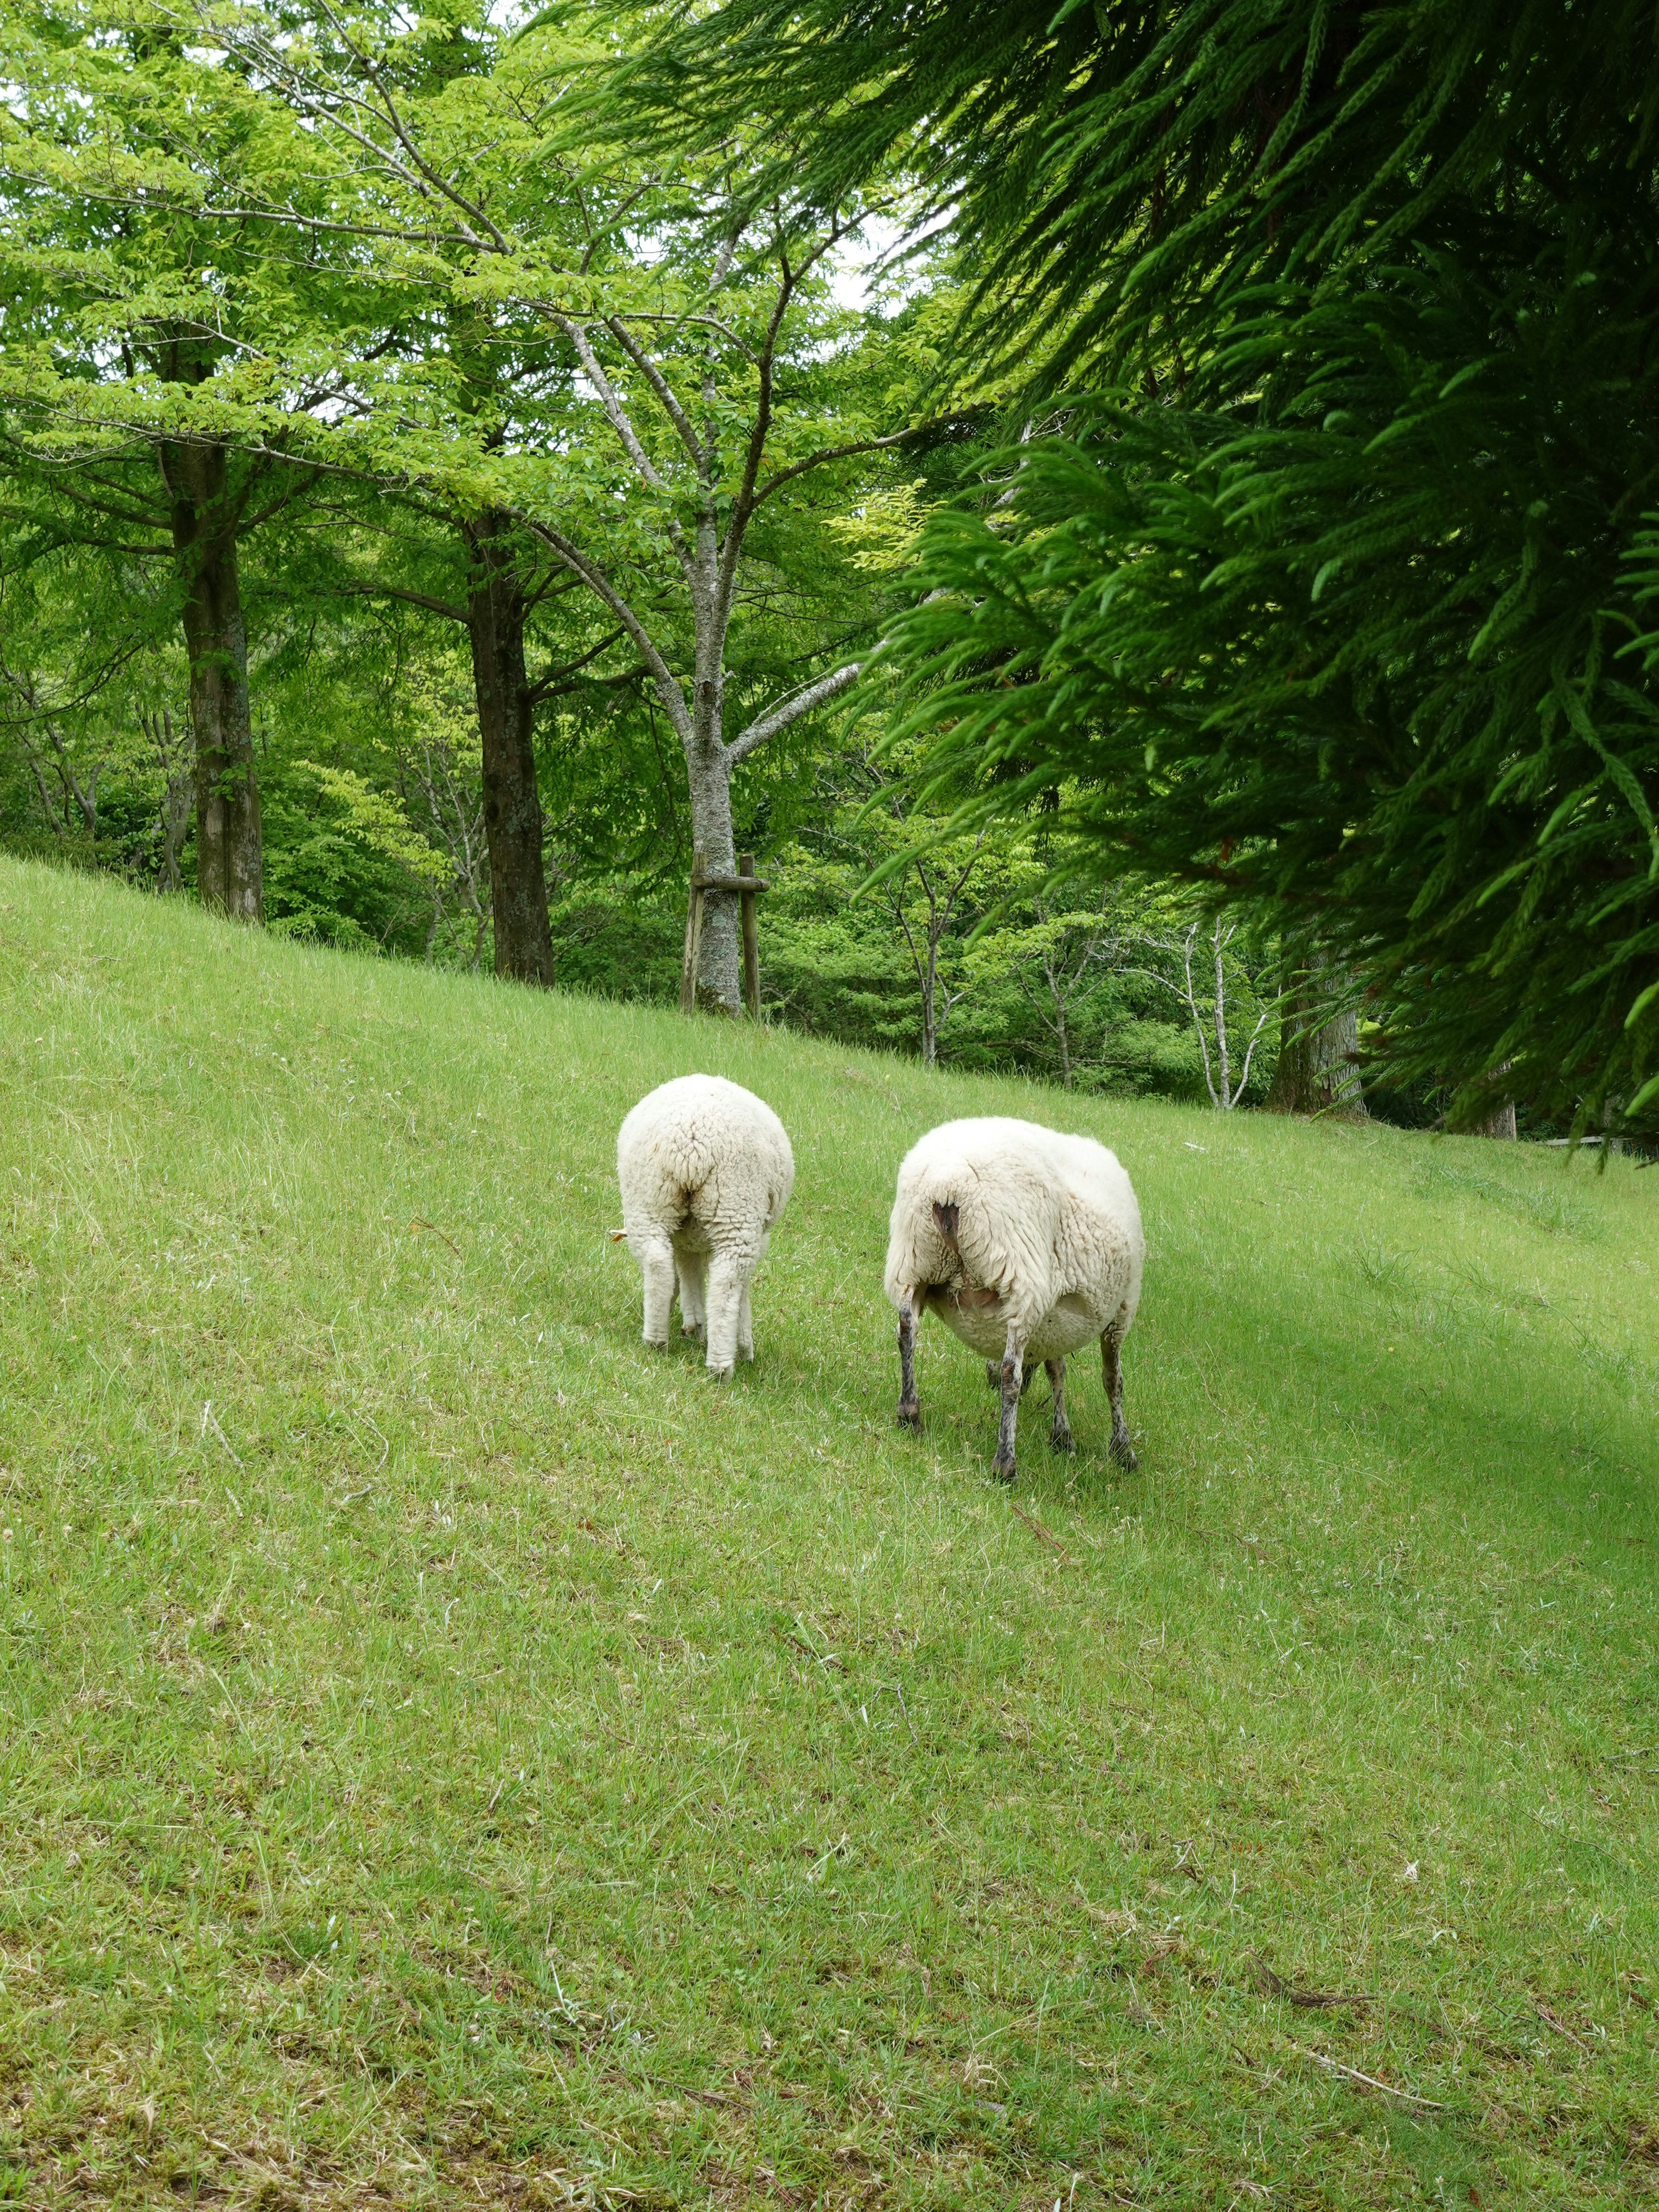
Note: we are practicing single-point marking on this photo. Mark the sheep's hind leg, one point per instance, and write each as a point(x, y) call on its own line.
point(909, 1408)
point(1111, 1370)
point(693, 1270)
point(1060, 1429)
point(1012, 1379)
point(657, 1266)
point(745, 1327)
point(727, 1279)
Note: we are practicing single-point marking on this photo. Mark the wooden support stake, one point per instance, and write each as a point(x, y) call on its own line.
point(750, 938)
point(693, 937)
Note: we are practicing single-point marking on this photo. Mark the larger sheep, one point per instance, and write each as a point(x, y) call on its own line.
point(1027, 1245)
point(706, 1169)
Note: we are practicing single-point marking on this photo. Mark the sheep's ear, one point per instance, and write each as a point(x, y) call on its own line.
point(946, 1220)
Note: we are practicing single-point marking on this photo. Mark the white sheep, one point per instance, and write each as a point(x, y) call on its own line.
point(1022, 1241)
point(706, 1169)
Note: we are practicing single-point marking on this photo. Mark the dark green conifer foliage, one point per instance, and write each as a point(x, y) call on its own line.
point(1332, 589)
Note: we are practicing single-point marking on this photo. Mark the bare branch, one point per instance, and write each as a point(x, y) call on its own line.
point(836, 453)
point(688, 318)
point(790, 710)
point(622, 423)
point(399, 591)
point(658, 383)
point(389, 113)
point(410, 236)
point(555, 678)
point(1245, 1075)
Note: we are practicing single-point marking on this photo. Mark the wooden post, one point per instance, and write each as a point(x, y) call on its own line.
point(693, 937)
point(751, 940)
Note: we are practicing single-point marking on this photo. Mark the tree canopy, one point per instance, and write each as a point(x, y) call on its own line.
point(1295, 359)
point(1318, 574)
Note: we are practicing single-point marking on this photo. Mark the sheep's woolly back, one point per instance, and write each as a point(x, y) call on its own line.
point(701, 1154)
point(1048, 1224)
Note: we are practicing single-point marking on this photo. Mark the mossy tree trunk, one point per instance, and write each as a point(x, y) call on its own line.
point(1318, 1069)
point(229, 851)
point(512, 802)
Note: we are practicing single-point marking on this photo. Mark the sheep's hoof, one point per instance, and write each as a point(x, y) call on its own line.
point(693, 1328)
point(910, 1416)
point(1061, 1440)
point(1124, 1453)
point(719, 1374)
point(746, 1352)
point(1003, 1469)
point(657, 1343)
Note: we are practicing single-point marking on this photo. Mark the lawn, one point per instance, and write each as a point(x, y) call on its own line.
point(452, 1754)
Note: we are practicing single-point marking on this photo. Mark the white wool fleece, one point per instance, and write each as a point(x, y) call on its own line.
point(1028, 1245)
point(706, 1169)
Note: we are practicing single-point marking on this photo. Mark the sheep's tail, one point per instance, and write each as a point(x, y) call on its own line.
point(947, 1219)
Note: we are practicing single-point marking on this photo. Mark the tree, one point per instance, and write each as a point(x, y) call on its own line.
point(133, 333)
point(1054, 963)
point(708, 377)
point(1206, 1001)
point(87, 705)
point(477, 567)
point(429, 822)
point(1331, 596)
point(1317, 1071)
point(922, 887)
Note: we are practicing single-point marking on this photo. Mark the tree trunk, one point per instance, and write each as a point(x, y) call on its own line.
point(1500, 1124)
point(1318, 1068)
point(175, 826)
point(930, 1005)
point(511, 802)
point(1224, 1067)
point(719, 981)
point(229, 851)
point(749, 930)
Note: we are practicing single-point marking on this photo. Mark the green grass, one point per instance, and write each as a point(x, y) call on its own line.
point(453, 1755)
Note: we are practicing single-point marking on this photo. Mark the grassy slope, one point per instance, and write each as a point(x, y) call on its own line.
point(474, 1760)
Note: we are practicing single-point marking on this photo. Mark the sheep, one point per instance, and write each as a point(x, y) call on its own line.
point(706, 1169)
point(1024, 1241)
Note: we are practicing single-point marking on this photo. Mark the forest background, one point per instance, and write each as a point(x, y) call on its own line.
point(454, 466)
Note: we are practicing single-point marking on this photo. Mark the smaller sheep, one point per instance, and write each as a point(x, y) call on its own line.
point(706, 1169)
point(1025, 1243)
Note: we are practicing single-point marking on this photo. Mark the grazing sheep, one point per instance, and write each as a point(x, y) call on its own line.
point(706, 1169)
point(1023, 1242)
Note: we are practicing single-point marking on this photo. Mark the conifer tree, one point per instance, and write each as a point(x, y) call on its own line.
point(1328, 585)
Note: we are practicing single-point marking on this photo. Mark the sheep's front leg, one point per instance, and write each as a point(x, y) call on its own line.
point(657, 1266)
point(1111, 1370)
point(1012, 1379)
point(909, 1409)
point(693, 1271)
point(728, 1279)
point(993, 1376)
point(1060, 1429)
point(745, 1327)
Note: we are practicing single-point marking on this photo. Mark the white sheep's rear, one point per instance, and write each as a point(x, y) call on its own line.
point(706, 1169)
point(1028, 1245)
